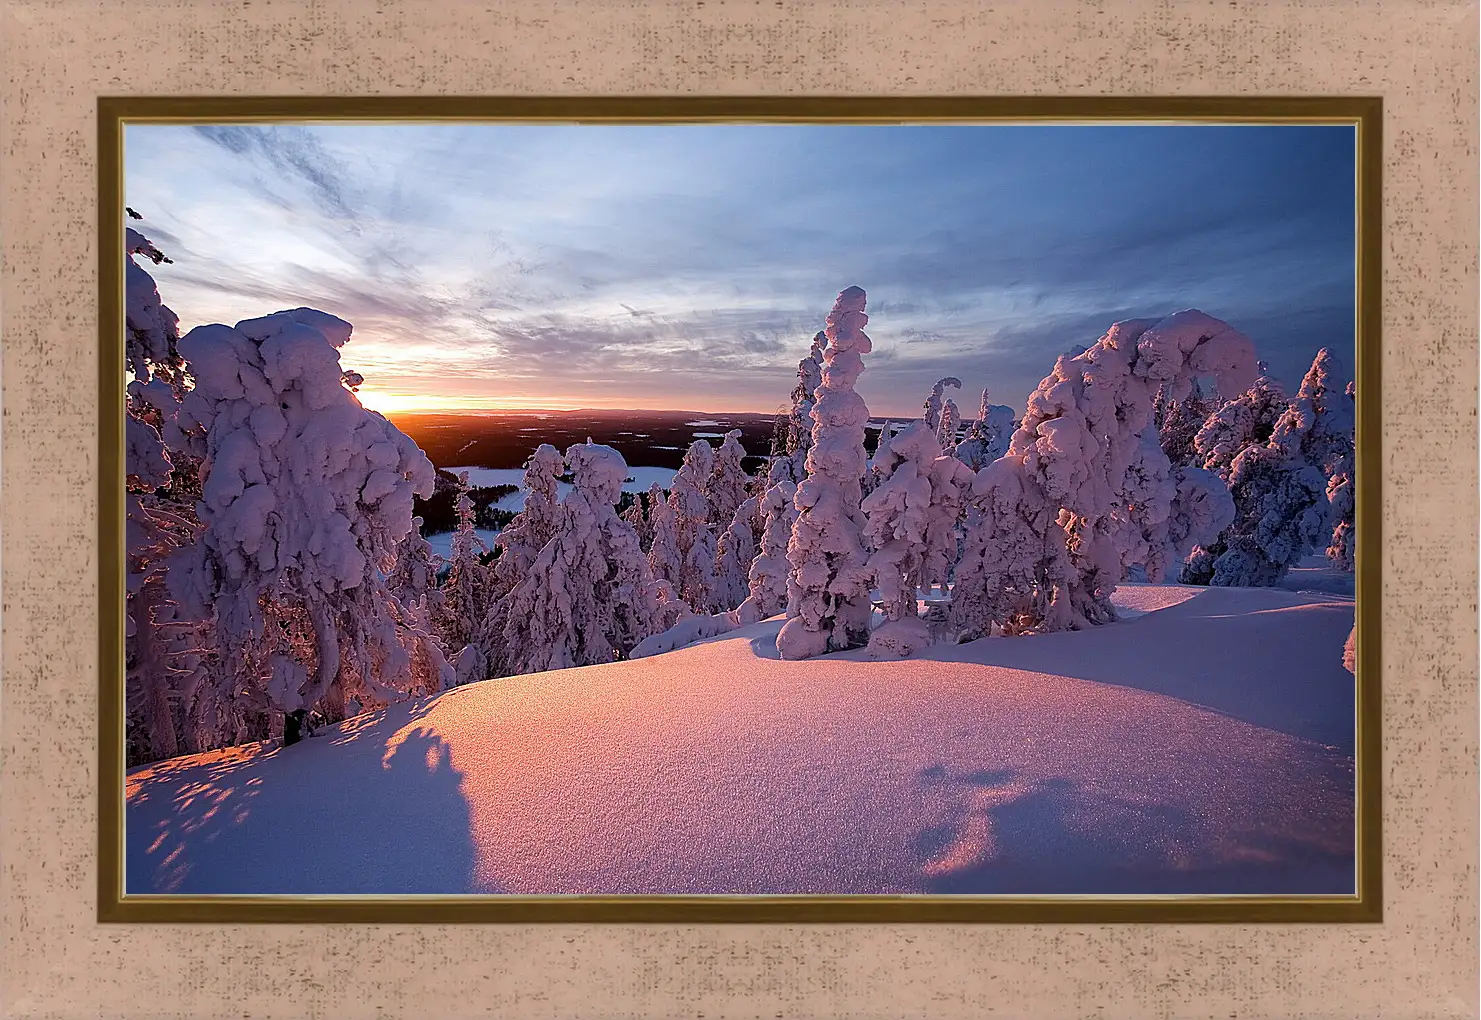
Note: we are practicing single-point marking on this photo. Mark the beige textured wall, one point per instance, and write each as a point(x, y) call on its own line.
point(59, 54)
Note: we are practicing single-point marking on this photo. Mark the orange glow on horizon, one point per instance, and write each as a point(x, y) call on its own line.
point(390, 403)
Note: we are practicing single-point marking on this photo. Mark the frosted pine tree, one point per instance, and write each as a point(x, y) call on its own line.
point(589, 597)
point(799, 421)
point(518, 546)
point(896, 516)
point(1342, 496)
point(1318, 423)
point(1013, 554)
point(933, 404)
point(951, 422)
point(736, 553)
point(828, 605)
point(167, 653)
point(1079, 469)
point(1247, 420)
point(665, 558)
point(684, 541)
point(726, 488)
point(305, 499)
point(988, 437)
point(637, 518)
point(1282, 510)
point(768, 574)
point(466, 594)
point(1178, 423)
point(951, 487)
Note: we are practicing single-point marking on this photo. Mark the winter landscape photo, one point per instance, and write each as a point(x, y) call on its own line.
point(532, 509)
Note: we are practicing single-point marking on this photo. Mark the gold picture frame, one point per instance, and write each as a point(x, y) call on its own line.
point(113, 905)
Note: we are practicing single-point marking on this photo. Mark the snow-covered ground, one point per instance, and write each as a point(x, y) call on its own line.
point(639, 479)
point(1316, 573)
point(1203, 746)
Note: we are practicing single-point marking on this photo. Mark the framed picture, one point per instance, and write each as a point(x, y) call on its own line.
point(743, 509)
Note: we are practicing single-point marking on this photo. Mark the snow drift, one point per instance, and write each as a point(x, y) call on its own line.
point(1100, 761)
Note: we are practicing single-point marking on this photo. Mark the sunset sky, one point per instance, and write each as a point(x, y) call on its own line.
point(687, 266)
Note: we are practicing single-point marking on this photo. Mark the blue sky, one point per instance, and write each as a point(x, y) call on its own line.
point(687, 266)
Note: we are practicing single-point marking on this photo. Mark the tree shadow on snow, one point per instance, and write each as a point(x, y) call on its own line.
point(1010, 837)
point(380, 810)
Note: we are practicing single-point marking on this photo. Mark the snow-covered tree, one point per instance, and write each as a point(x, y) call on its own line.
point(167, 653)
point(828, 604)
point(1166, 511)
point(1342, 497)
point(305, 497)
point(933, 403)
point(726, 487)
point(951, 488)
point(988, 437)
point(896, 516)
point(1014, 556)
point(1318, 423)
point(799, 420)
point(736, 553)
point(466, 594)
point(518, 546)
point(1350, 651)
point(589, 596)
point(1282, 511)
point(684, 540)
point(1247, 420)
point(768, 573)
point(520, 541)
point(951, 422)
point(1077, 476)
point(637, 517)
point(1178, 423)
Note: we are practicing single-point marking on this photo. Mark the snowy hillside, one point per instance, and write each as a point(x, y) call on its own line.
point(1201, 745)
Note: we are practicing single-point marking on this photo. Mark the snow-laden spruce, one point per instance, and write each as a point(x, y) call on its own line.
point(1246, 420)
point(305, 498)
point(911, 527)
point(896, 516)
point(951, 423)
point(589, 596)
point(934, 402)
point(1318, 423)
point(828, 606)
point(799, 419)
point(736, 553)
point(519, 544)
point(1178, 423)
point(1342, 495)
point(988, 437)
point(637, 517)
point(726, 487)
point(467, 593)
point(768, 573)
point(167, 653)
point(1282, 512)
point(1057, 521)
point(684, 541)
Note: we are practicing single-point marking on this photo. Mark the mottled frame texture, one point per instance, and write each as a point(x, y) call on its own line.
point(59, 55)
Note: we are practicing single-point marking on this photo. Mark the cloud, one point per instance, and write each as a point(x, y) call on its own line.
point(698, 261)
point(292, 151)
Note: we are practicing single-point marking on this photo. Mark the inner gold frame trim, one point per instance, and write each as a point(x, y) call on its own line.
point(1365, 113)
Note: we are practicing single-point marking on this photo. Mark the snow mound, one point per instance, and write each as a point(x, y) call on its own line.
point(1103, 761)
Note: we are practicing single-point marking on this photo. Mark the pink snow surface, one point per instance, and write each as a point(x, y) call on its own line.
point(1184, 751)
